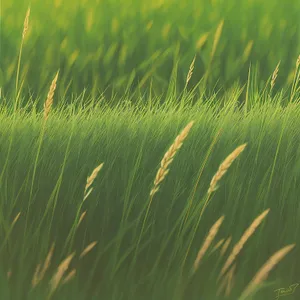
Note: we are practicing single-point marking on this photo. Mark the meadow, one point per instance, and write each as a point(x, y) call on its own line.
point(164, 166)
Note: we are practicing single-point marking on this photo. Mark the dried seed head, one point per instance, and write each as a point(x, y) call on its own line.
point(240, 244)
point(225, 246)
point(210, 237)
point(263, 272)
point(274, 75)
point(190, 73)
point(224, 167)
point(26, 23)
point(168, 158)
point(69, 277)
point(62, 268)
point(49, 100)
point(92, 177)
point(88, 249)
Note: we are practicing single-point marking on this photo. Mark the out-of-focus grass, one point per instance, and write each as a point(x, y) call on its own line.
point(110, 45)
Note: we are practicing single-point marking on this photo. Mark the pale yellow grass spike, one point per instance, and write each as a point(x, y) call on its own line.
point(274, 76)
point(263, 272)
point(190, 73)
point(47, 262)
point(225, 246)
point(224, 167)
point(92, 177)
point(15, 219)
point(217, 38)
point(168, 157)
point(62, 268)
point(69, 277)
point(49, 100)
point(218, 245)
point(230, 280)
point(240, 244)
point(247, 51)
point(40, 273)
point(81, 218)
point(88, 249)
point(35, 278)
point(202, 40)
point(26, 23)
point(210, 237)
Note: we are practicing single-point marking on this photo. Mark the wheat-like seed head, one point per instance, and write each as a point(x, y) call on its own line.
point(217, 38)
point(190, 73)
point(69, 277)
point(263, 272)
point(274, 75)
point(47, 262)
point(62, 268)
point(218, 245)
point(225, 246)
point(35, 279)
point(168, 158)
point(240, 244)
point(49, 100)
point(15, 219)
point(210, 237)
point(93, 176)
point(224, 167)
point(88, 249)
point(26, 23)
point(81, 218)
point(230, 280)
point(40, 273)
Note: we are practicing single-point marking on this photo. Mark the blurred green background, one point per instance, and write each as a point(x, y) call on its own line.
point(109, 45)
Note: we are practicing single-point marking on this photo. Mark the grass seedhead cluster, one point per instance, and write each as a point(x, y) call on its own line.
point(224, 167)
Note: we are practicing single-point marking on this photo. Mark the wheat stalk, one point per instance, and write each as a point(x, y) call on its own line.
point(62, 268)
point(25, 29)
point(81, 218)
point(230, 281)
point(274, 76)
point(217, 246)
point(40, 273)
point(224, 167)
point(217, 38)
point(190, 73)
point(91, 179)
point(225, 246)
point(35, 279)
point(69, 277)
point(15, 219)
point(210, 237)
point(263, 272)
point(160, 175)
point(240, 244)
point(168, 158)
point(49, 100)
point(88, 249)
point(26, 23)
point(93, 176)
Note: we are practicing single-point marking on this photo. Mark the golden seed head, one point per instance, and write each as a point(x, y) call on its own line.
point(224, 167)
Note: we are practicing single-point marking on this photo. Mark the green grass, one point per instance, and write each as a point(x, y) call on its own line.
point(67, 157)
point(111, 45)
point(147, 251)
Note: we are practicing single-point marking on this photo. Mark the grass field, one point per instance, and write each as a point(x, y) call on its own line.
point(169, 167)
